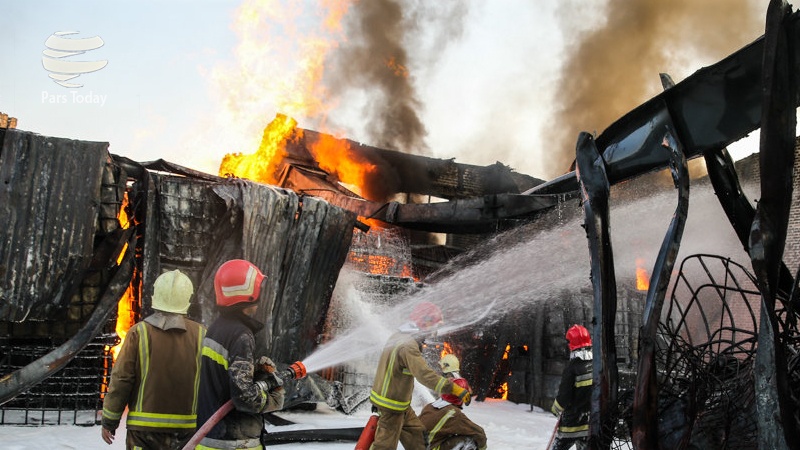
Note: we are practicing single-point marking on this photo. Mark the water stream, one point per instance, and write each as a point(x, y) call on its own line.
point(529, 264)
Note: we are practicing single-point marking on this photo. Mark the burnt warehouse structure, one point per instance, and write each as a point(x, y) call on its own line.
point(704, 355)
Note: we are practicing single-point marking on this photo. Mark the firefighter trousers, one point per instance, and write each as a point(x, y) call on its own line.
point(402, 426)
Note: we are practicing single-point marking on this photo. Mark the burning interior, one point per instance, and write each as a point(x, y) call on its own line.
point(681, 346)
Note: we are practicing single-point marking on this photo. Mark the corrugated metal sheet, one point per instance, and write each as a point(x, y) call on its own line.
point(49, 200)
point(299, 242)
point(188, 211)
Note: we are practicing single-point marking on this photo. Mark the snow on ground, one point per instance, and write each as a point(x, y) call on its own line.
point(508, 426)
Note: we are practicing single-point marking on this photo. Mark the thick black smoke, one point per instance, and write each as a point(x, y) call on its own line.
point(613, 68)
point(386, 41)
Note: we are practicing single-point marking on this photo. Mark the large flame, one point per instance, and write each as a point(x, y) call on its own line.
point(335, 157)
point(125, 314)
point(278, 66)
point(262, 166)
point(272, 34)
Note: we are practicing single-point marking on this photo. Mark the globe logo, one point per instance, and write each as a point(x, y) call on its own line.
point(59, 49)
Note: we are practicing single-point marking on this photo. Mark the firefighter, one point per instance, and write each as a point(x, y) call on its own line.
point(156, 373)
point(400, 363)
point(229, 365)
point(450, 365)
point(447, 425)
point(573, 402)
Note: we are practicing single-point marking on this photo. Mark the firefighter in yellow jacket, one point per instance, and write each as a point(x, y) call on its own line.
point(448, 427)
point(399, 365)
point(157, 372)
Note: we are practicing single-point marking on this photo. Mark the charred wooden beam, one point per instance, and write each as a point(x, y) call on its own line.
point(398, 172)
point(739, 209)
point(480, 214)
point(645, 432)
point(777, 426)
point(595, 189)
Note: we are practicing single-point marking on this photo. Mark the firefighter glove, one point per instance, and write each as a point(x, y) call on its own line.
point(265, 364)
point(462, 394)
point(269, 381)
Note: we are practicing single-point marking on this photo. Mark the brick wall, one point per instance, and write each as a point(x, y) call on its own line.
point(750, 178)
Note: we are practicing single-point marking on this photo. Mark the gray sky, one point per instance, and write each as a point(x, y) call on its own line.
point(479, 81)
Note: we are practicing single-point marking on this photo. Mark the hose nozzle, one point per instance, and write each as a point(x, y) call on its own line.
point(297, 370)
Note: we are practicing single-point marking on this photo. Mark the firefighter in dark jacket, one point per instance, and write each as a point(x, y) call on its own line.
point(157, 371)
point(229, 365)
point(400, 363)
point(574, 400)
point(448, 427)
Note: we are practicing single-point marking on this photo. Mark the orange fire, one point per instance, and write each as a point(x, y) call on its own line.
point(297, 92)
point(335, 157)
point(446, 349)
point(125, 315)
point(269, 37)
point(263, 165)
point(379, 265)
point(398, 69)
point(642, 278)
point(503, 390)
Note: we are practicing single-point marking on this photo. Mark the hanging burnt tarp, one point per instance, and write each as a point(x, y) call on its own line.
point(300, 243)
point(183, 227)
point(195, 224)
point(64, 263)
point(49, 200)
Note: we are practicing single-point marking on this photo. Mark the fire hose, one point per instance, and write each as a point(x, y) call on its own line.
point(553, 435)
point(295, 371)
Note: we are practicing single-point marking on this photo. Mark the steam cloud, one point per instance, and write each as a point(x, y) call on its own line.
point(613, 68)
point(375, 63)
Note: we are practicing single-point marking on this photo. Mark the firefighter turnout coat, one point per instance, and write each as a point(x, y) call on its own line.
point(574, 399)
point(227, 373)
point(156, 376)
point(448, 427)
point(400, 363)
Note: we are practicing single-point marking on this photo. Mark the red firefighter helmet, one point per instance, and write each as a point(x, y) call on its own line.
point(578, 337)
point(452, 398)
point(237, 281)
point(426, 315)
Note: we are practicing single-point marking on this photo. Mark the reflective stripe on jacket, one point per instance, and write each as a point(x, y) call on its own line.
point(449, 427)
point(156, 375)
point(400, 363)
point(227, 372)
point(574, 398)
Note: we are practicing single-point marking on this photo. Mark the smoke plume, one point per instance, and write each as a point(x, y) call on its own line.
point(375, 64)
point(614, 67)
